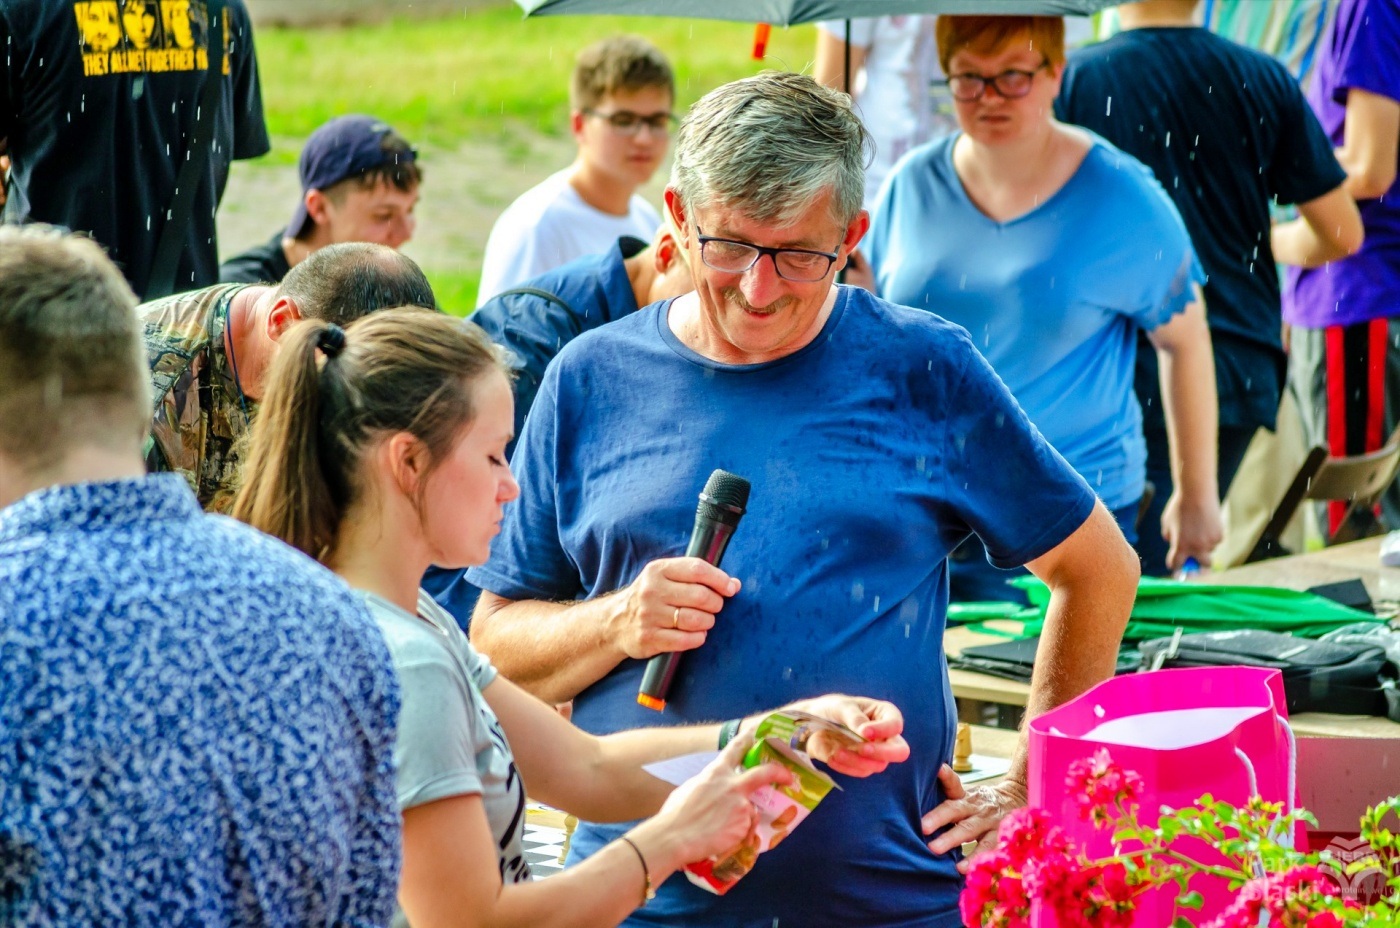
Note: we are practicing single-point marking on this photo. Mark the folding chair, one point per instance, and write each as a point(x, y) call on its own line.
point(1359, 480)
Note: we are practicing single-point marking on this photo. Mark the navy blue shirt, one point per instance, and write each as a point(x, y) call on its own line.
point(873, 451)
point(585, 294)
point(196, 721)
point(1226, 130)
point(261, 264)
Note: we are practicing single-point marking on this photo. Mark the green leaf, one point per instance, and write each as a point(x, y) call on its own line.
point(1191, 900)
point(1181, 921)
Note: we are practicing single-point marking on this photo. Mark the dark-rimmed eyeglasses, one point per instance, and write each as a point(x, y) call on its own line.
point(627, 122)
point(1010, 84)
point(800, 265)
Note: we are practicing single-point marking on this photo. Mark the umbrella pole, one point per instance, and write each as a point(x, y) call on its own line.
point(846, 74)
point(846, 86)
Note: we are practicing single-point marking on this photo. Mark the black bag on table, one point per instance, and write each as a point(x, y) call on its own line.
point(1350, 678)
point(1015, 659)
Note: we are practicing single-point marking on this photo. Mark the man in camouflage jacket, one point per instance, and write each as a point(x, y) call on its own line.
point(210, 350)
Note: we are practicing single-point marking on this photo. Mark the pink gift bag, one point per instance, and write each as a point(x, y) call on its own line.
point(1217, 730)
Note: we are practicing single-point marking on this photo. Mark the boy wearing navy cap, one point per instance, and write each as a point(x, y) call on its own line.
point(359, 182)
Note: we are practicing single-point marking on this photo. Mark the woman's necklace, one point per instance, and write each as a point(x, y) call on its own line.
point(233, 360)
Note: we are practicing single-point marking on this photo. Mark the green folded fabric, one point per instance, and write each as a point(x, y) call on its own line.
point(967, 613)
point(1162, 606)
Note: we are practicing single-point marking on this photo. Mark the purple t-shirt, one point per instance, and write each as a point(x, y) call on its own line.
point(1363, 51)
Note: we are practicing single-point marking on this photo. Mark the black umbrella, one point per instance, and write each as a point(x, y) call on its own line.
point(790, 12)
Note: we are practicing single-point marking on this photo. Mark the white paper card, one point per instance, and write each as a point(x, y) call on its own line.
point(677, 770)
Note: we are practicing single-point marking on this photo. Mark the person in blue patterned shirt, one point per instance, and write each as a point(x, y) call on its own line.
point(196, 721)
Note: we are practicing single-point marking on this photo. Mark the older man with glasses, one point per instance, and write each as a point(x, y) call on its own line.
point(876, 439)
point(621, 93)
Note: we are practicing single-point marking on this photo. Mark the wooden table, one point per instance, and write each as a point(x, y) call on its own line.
point(1357, 560)
point(1330, 565)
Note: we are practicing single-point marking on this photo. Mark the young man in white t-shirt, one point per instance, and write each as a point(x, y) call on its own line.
point(893, 67)
point(621, 95)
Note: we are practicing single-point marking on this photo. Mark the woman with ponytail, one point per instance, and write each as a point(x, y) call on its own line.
point(380, 450)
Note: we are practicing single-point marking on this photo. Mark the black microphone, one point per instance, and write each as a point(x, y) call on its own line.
point(722, 502)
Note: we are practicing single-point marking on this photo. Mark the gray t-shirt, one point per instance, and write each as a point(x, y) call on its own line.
point(450, 743)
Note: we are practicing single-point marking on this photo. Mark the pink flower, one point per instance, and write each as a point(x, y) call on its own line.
point(1111, 897)
point(1086, 895)
point(1310, 876)
point(1054, 879)
point(1101, 787)
point(993, 895)
point(1293, 899)
point(1027, 832)
point(1325, 920)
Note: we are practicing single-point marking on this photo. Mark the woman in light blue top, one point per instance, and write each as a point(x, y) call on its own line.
point(380, 451)
point(1053, 249)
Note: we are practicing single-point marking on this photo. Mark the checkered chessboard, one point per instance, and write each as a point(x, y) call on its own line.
point(543, 841)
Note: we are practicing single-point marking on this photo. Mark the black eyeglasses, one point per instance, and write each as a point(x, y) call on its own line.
point(629, 123)
point(801, 265)
point(1009, 84)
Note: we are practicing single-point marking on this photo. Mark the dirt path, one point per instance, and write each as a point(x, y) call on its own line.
point(464, 190)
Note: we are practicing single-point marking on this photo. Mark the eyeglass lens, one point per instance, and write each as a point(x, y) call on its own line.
point(630, 123)
point(968, 87)
point(736, 258)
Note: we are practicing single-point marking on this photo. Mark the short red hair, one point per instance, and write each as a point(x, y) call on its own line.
point(989, 34)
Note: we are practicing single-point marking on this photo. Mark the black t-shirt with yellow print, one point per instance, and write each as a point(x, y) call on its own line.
point(97, 99)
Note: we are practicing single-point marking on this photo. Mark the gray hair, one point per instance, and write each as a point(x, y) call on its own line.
point(769, 145)
point(73, 367)
point(340, 283)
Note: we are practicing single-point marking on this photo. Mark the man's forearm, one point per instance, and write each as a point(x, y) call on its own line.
point(552, 650)
point(1093, 579)
point(1372, 133)
point(1297, 243)
point(1078, 649)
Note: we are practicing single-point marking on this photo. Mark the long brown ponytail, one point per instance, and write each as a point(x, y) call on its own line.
point(397, 370)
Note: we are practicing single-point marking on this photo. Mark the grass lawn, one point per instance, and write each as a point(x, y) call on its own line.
point(485, 73)
point(456, 290)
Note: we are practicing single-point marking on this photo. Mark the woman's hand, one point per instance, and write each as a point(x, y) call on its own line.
point(711, 813)
point(879, 722)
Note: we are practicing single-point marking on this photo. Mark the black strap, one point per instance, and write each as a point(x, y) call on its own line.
point(542, 294)
point(177, 223)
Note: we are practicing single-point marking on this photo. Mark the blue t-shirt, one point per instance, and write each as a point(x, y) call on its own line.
point(1053, 299)
point(873, 451)
point(196, 721)
point(1226, 130)
point(587, 292)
